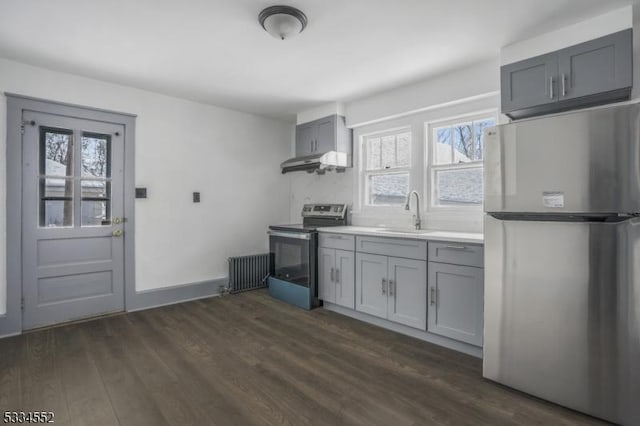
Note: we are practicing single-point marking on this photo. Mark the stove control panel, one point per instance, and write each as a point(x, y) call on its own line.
point(324, 210)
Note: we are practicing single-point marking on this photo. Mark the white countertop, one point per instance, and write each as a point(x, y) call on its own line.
point(424, 234)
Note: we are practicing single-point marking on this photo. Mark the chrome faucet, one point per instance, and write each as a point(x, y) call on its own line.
point(407, 206)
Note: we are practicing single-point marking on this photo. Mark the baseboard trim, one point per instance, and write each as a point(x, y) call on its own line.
point(408, 331)
point(175, 294)
point(142, 300)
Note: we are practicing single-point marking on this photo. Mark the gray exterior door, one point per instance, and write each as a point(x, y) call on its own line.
point(529, 83)
point(73, 204)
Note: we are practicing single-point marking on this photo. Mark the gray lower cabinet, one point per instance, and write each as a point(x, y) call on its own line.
point(456, 302)
point(407, 292)
point(371, 284)
point(336, 269)
point(591, 73)
point(392, 288)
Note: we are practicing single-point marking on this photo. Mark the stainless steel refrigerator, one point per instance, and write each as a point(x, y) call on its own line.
point(562, 259)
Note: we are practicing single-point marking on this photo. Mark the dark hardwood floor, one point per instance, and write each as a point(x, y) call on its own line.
point(248, 359)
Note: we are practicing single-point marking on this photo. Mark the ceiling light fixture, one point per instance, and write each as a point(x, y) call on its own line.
point(282, 22)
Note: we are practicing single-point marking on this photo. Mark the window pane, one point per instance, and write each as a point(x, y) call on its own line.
point(442, 146)
point(388, 189)
point(56, 202)
point(96, 202)
point(388, 144)
point(95, 213)
point(403, 148)
point(96, 150)
point(479, 127)
point(459, 187)
point(56, 213)
point(95, 188)
point(462, 143)
point(56, 152)
point(56, 188)
point(373, 151)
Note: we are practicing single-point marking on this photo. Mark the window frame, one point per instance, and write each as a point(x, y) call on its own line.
point(365, 173)
point(431, 169)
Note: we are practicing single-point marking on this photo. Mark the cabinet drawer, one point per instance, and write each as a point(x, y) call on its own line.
point(395, 247)
point(457, 254)
point(337, 241)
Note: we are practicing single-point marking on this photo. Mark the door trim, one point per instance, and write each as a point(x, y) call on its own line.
point(11, 322)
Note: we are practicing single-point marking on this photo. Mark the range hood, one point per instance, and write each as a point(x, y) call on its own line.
point(317, 163)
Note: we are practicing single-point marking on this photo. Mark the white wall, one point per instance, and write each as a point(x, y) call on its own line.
point(455, 87)
point(461, 92)
point(232, 158)
point(599, 26)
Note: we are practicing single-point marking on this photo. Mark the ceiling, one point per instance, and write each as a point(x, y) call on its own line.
point(215, 51)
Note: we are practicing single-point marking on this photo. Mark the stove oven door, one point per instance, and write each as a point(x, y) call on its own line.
point(293, 255)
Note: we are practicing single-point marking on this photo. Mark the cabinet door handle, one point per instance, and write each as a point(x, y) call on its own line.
point(337, 275)
point(332, 275)
point(384, 286)
point(564, 85)
point(391, 287)
point(432, 292)
point(456, 247)
point(311, 145)
point(551, 96)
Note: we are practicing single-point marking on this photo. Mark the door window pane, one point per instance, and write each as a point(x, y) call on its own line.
point(56, 152)
point(388, 189)
point(55, 190)
point(56, 202)
point(96, 202)
point(458, 187)
point(95, 213)
point(96, 155)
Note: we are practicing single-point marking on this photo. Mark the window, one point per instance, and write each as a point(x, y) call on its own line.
point(456, 162)
point(387, 163)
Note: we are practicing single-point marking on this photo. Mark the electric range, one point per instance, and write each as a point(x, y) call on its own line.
point(294, 254)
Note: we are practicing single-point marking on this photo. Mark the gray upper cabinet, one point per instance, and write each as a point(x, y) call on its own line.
point(601, 65)
point(591, 73)
point(529, 82)
point(324, 135)
point(305, 139)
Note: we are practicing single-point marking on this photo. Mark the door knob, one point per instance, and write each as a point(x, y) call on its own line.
point(117, 233)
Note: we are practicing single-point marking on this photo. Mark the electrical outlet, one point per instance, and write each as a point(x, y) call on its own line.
point(196, 197)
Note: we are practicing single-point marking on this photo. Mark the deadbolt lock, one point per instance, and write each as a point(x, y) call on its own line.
point(118, 221)
point(117, 233)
